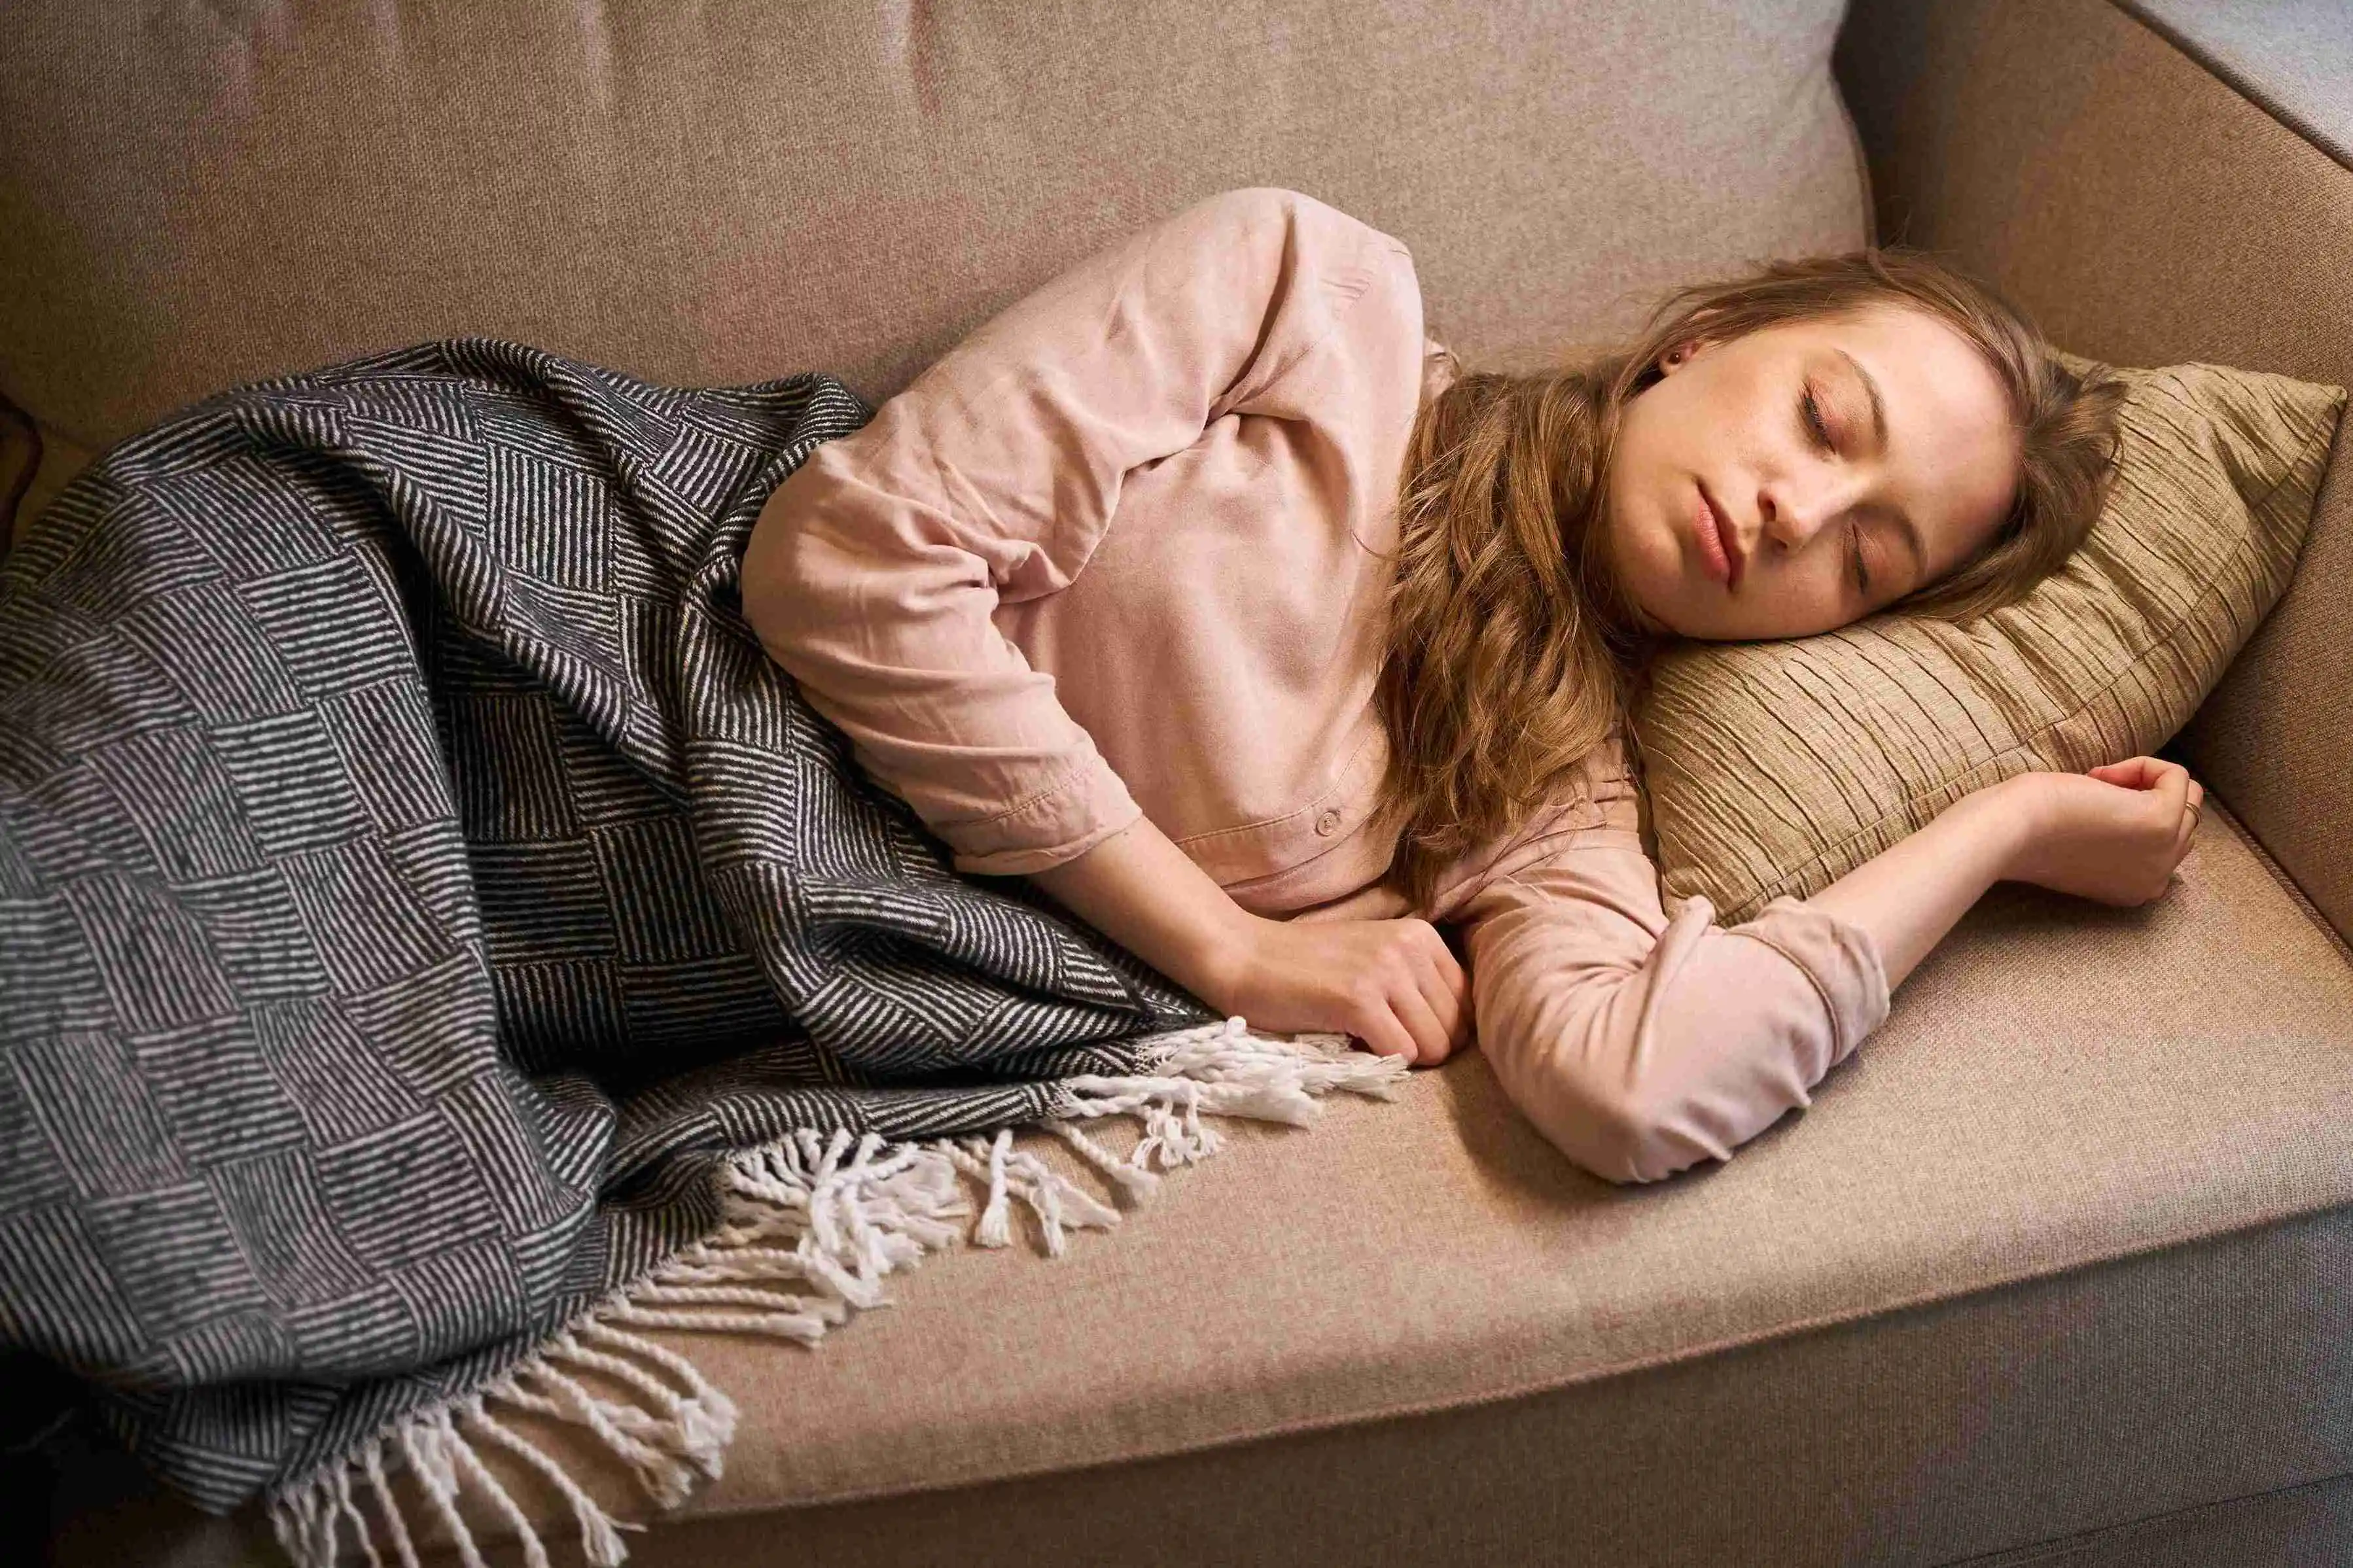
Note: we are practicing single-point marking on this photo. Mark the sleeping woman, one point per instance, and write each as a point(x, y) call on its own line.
point(1199, 588)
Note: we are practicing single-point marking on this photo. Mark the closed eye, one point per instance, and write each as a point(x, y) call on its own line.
point(1862, 572)
point(1809, 413)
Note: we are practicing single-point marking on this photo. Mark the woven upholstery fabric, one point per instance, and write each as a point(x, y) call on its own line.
point(415, 878)
point(722, 193)
point(2292, 57)
point(1775, 768)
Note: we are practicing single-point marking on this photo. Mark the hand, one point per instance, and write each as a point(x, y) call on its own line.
point(1394, 984)
point(2113, 833)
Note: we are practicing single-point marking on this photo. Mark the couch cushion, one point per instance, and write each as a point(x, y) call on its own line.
point(2059, 1085)
point(2063, 1082)
point(727, 195)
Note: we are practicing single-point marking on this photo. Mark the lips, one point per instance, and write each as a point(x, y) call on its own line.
point(1714, 531)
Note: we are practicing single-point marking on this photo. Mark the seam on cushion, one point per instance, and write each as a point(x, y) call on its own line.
point(1539, 1387)
point(2240, 83)
point(2007, 1557)
point(2139, 657)
point(2280, 874)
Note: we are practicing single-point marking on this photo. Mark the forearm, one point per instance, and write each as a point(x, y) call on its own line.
point(1138, 888)
point(1908, 896)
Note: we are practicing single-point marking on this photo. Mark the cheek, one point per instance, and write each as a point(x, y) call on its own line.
point(1635, 480)
point(1831, 603)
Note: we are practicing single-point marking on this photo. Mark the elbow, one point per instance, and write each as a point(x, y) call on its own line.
point(1607, 1129)
point(1650, 1079)
point(1637, 1109)
point(1631, 1143)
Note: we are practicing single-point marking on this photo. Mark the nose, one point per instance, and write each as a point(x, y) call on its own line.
point(1794, 508)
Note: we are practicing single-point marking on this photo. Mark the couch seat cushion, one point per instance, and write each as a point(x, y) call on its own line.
point(2059, 1084)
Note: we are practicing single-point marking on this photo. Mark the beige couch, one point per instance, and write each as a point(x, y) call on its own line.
point(2055, 1269)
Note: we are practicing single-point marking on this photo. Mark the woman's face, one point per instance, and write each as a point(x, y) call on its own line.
point(1805, 448)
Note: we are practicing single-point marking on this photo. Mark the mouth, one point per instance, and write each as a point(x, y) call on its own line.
point(1715, 541)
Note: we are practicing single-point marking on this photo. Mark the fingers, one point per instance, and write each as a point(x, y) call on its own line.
point(1446, 972)
point(2195, 806)
point(2137, 773)
point(2171, 781)
point(1415, 1001)
point(1432, 1002)
point(2132, 772)
point(1449, 996)
point(1377, 1023)
point(1421, 1021)
point(2174, 785)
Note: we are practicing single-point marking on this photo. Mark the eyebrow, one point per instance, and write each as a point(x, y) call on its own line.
point(1879, 430)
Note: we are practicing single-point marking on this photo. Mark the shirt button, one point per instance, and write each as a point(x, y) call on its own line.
point(1326, 824)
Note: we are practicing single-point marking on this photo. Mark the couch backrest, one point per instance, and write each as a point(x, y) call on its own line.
point(196, 194)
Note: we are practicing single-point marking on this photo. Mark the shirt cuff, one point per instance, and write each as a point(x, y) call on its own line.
point(1841, 958)
point(1058, 824)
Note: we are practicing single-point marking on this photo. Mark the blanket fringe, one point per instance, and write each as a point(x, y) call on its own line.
point(809, 1227)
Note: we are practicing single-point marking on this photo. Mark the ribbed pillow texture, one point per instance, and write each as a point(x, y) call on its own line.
point(1773, 768)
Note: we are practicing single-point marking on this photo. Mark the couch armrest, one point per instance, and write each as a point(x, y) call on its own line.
point(2146, 211)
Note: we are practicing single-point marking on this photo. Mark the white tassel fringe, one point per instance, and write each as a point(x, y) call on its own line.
point(809, 1229)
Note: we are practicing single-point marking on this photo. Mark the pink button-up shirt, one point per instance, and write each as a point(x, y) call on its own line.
point(1121, 552)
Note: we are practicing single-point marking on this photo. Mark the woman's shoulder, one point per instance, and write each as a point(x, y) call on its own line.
point(1293, 228)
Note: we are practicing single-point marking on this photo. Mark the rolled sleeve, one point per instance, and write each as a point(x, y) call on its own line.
point(1640, 1044)
point(1060, 823)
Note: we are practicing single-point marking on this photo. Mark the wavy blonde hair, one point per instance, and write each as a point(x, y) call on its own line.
point(1512, 648)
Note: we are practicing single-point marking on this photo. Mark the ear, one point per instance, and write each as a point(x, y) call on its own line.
point(1693, 343)
point(1680, 354)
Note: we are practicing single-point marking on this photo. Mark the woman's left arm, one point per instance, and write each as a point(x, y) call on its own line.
point(1640, 1044)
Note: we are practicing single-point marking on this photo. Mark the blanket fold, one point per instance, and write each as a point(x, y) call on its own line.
point(437, 942)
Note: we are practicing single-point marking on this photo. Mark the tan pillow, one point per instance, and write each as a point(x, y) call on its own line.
point(1775, 768)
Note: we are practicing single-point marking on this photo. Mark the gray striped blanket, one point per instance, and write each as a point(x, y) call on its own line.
point(426, 914)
